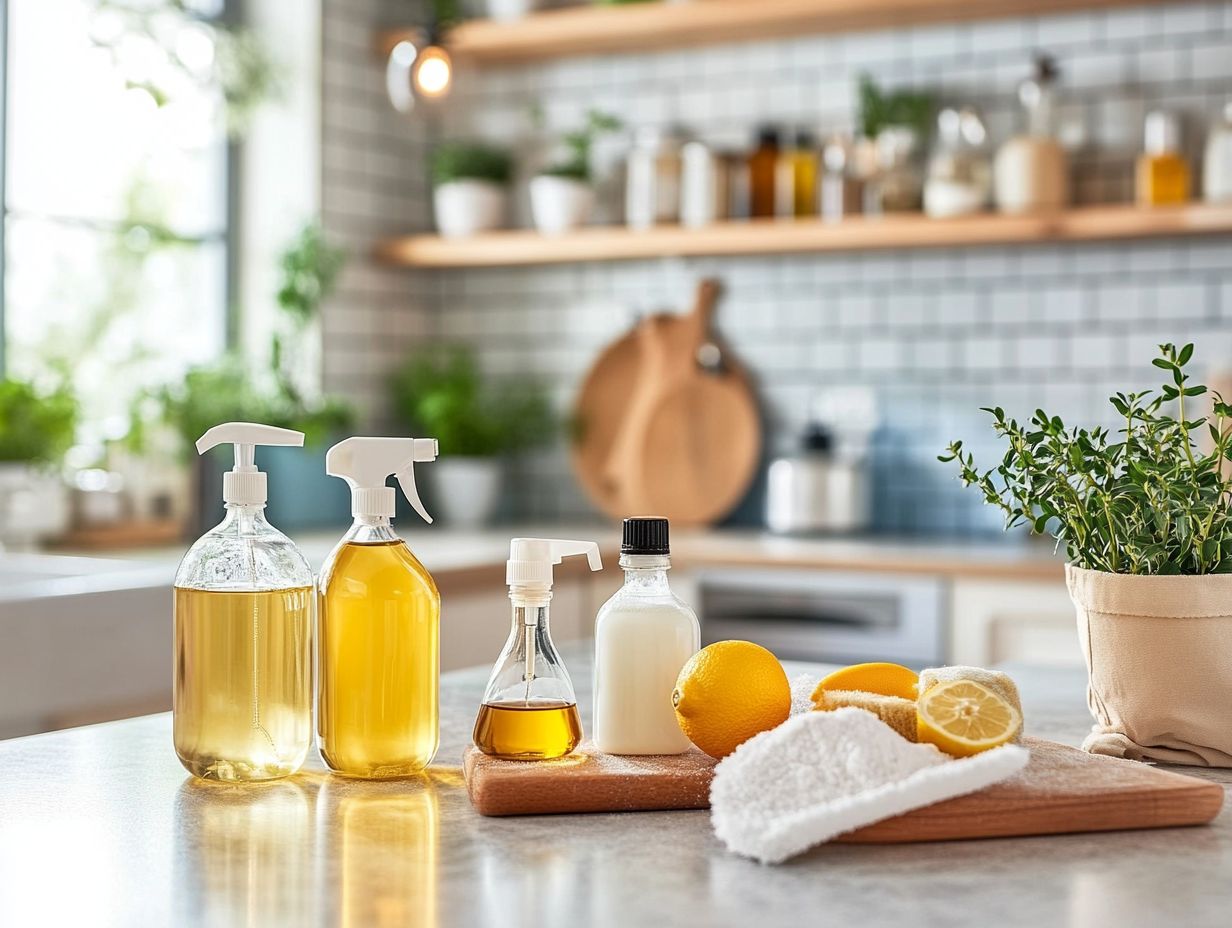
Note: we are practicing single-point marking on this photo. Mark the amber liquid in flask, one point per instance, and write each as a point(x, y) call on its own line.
point(532, 730)
point(377, 699)
point(529, 709)
point(243, 679)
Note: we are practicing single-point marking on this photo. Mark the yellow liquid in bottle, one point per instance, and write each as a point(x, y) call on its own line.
point(242, 693)
point(537, 730)
point(377, 700)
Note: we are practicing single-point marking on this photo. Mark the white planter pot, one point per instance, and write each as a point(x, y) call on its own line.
point(464, 207)
point(1158, 663)
point(507, 11)
point(467, 490)
point(559, 204)
point(34, 505)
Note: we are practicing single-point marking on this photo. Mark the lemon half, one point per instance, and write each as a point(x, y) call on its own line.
point(964, 718)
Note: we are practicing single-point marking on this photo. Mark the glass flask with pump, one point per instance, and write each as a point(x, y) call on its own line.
point(242, 688)
point(529, 709)
point(378, 652)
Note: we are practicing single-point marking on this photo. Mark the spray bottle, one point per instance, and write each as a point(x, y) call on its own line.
point(379, 623)
point(529, 709)
point(242, 693)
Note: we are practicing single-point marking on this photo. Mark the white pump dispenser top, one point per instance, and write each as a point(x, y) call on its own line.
point(531, 560)
point(244, 485)
point(365, 462)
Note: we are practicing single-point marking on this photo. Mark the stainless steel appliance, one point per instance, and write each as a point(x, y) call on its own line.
point(837, 617)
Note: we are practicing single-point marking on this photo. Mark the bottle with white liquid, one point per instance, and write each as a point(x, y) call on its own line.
point(644, 635)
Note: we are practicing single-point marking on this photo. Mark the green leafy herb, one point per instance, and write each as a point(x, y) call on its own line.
point(226, 392)
point(1142, 500)
point(441, 393)
point(310, 266)
point(577, 144)
point(879, 110)
point(471, 161)
point(35, 427)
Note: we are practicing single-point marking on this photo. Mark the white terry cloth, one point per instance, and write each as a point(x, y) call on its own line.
point(821, 774)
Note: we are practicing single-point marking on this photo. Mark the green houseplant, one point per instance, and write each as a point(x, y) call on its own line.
point(470, 181)
point(1145, 514)
point(273, 393)
point(440, 392)
point(894, 127)
point(561, 194)
point(37, 427)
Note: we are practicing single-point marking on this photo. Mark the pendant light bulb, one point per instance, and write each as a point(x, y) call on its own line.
point(432, 75)
point(397, 76)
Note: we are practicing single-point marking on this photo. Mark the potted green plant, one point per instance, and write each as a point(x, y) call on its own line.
point(561, 194)
point(280, 393)
point(37, 427)
point(894, 129)
point(1145, 514)
point(441, 393)
point(470, 182)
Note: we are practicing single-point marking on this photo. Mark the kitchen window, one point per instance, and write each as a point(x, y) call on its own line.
point(116, 251)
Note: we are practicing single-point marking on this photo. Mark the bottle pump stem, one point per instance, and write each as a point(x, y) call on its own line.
point(529, 575)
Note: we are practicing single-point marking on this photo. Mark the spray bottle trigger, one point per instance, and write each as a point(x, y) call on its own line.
point(406, 480)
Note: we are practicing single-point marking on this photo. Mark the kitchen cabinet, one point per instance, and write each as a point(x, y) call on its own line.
point(995, 621)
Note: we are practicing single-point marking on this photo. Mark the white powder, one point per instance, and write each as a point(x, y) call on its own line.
point(821, 774)
point(802, 686)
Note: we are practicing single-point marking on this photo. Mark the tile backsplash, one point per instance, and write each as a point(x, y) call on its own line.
point(936, 334)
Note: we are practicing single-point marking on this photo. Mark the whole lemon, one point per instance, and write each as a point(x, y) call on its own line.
point(728, 692)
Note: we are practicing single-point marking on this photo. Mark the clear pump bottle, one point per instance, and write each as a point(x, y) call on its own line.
point(242, 689)
point(644, 635)
point(379, 615)
point(529, 709)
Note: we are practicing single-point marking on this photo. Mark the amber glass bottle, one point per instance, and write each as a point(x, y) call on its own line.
point(763, 165)
point(1163, 174)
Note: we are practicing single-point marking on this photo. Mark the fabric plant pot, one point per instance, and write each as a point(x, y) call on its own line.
point(1159, 660)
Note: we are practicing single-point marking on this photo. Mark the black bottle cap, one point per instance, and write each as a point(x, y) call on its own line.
point(817, 438)
point(768, 136)
point(645, 536)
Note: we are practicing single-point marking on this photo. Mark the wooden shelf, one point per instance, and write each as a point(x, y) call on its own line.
point(597, 30)
point(768, 236)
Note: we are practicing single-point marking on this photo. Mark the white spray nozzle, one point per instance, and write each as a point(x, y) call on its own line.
point(244, 485)
point(364, 463)
point(531, 559)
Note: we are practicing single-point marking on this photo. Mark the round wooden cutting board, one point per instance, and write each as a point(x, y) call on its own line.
point(655, 432)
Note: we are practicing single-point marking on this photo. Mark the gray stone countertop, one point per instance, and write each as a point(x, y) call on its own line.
point(101, 826)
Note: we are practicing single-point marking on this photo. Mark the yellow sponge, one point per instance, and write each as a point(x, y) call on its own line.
point(895, 711)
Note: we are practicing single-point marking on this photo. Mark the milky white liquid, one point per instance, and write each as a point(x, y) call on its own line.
point(640, 648)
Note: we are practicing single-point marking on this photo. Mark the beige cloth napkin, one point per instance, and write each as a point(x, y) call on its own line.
point(1159, 656)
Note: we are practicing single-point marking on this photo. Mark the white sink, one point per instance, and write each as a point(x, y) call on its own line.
point(82, 639)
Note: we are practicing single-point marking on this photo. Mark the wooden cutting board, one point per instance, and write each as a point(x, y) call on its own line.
point(655, 433)
point(1062, 790)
